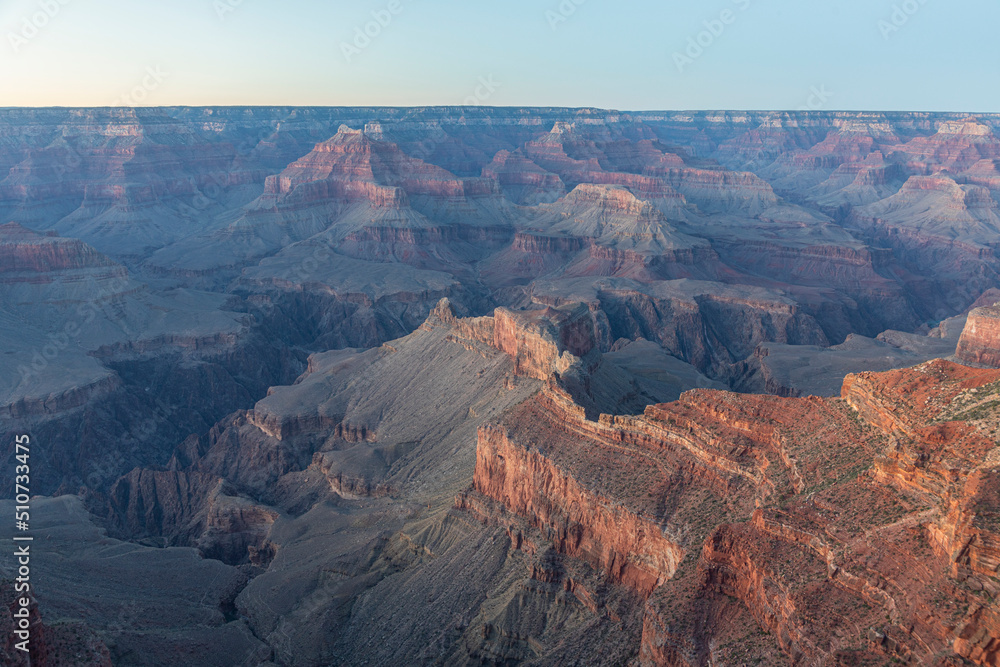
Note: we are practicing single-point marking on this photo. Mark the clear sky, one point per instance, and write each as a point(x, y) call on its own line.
point(622, 54)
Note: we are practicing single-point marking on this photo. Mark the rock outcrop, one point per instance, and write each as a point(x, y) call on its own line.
point(172, 508)
point(980, 341)
point(934, 221)
point(24, 252)
point(523, 181)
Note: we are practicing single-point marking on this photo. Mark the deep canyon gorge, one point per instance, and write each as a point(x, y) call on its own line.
point(502, 386)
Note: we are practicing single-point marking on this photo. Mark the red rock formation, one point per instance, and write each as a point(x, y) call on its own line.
point(631, 549)
point(623, 235)
point(956, 146)
point(838, 148)
point(859, 183)
point(353, 167)
point(778, 134)
point(541, 342)
point(523, 181)
point(852, 530)
point(985, 173)
point(656, 191)
point(26, 256)
point(717, 191)
point(980, 341)
point(863, 526)
point(645, 167)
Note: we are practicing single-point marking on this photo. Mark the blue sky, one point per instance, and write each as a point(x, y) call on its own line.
point(640, 54)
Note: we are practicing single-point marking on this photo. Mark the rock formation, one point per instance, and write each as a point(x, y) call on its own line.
point(980, 341)
point(794, 530)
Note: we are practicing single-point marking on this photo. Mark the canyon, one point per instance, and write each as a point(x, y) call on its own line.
point(504, 386)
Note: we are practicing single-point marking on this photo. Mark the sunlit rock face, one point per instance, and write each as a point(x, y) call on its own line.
point(980, 342)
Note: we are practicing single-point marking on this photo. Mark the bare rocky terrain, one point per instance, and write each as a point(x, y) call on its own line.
point(503, 386)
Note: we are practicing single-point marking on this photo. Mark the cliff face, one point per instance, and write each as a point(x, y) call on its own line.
point(351, 159)
point(980, 341)
point(721, 191)
point(523, 181)
point(903, 542)
point(539, 342)
point(189, 509)
point(957, 145)
point(544, 341)
point(25, 252)
point(580, 523)
point(707, 327)
point(837, 524)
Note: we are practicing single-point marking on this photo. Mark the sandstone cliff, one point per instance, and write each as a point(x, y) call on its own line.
point(841, 526)
point(980, 342)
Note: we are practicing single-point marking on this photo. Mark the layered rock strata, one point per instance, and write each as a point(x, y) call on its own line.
point(980, 341)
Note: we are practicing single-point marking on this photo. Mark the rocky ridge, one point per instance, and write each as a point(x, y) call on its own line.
point(736, 497)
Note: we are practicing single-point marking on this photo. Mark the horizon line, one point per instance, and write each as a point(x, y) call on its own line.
point(485, 107)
